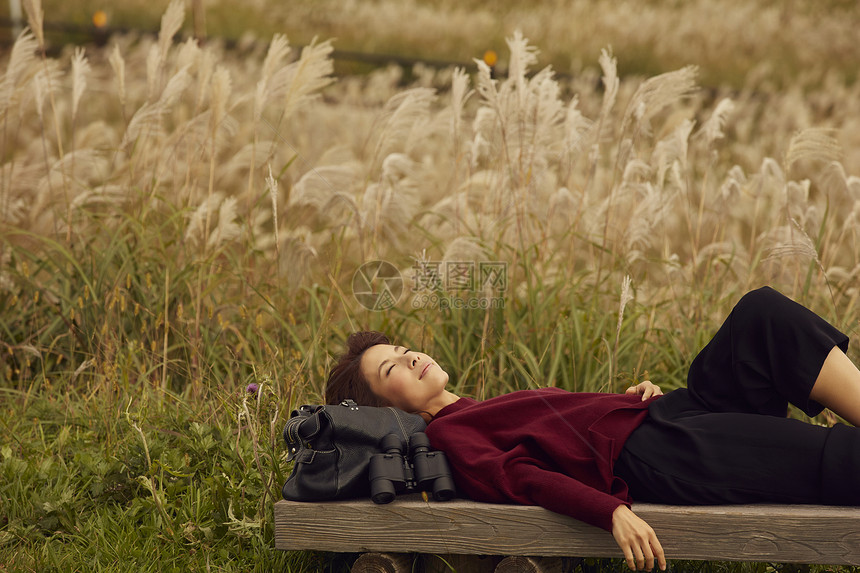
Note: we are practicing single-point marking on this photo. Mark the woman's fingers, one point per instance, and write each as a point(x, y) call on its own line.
point(637, 540)
point(636, 559)
point(645, 556)
point(658, 553)
point(646, 389)
point(628, 557)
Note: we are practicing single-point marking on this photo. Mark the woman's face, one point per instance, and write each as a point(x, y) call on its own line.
point(408, 380)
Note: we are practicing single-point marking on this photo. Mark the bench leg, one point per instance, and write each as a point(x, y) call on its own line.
point(383, 563)
point(459, 563)
point(520, 564)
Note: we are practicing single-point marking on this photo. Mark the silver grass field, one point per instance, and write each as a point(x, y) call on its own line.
point(181, 226)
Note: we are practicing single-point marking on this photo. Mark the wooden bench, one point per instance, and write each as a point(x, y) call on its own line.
point(767, 533)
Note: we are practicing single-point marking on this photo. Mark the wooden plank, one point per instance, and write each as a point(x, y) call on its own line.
point(781, 533)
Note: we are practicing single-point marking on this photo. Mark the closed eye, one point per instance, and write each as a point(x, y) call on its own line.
point(387, 372)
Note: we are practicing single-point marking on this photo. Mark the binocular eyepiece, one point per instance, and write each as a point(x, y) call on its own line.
point(421, 469)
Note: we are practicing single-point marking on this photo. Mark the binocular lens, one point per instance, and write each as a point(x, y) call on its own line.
point(383, 497)
point(392, 472)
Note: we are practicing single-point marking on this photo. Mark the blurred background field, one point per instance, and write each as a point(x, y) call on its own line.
point(181, 222)
point(787, 40)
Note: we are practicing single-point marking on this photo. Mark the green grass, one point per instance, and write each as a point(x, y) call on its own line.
point(105, 469)
point(142, 482)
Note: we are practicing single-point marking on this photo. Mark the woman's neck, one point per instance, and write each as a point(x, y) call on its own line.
point(446, 398)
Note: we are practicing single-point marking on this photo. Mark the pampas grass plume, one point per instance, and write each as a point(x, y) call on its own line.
point(401, 114)
point(460, 93)
point(20, 64)
point(153, 63)
point(272, 185)
point(222, 87)
point(171, 22)
point(712, 129)
point(41, 86)
point(228, 228)
point(117, 62)
point(80, 70)
point(814, 144)
point(279, 49)
point(657, 93)
point(523, 57)
point(272, 82)
point(35, 18)
point(309, 74)
point(797, 244)
point(609, 65)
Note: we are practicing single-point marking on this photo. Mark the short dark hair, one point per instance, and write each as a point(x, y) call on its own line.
point(345, 380)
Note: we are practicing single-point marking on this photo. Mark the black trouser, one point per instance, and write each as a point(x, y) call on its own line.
point(725, 438)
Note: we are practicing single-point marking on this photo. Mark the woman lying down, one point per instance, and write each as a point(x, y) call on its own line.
point(723, 439)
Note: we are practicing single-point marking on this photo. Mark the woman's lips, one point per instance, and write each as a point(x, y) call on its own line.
point(423, 372)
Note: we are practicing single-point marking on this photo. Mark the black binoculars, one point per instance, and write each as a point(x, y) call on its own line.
point(422, 469)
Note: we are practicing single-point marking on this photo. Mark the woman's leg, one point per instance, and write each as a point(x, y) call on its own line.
point(681, 455)
point(838, 386)
point(767, 354)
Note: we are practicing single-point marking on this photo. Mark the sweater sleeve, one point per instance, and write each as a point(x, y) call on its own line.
point(487, 474)
point(525, 482)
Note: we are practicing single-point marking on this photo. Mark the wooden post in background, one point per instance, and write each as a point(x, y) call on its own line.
point(15, 16)
point(198, 16)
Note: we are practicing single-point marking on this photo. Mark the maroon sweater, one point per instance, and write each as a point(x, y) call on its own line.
point(546, 447)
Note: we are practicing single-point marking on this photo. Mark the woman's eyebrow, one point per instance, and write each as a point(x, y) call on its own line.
point(381, 364)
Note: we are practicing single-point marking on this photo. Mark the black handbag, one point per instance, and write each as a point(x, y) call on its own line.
point(331, 446)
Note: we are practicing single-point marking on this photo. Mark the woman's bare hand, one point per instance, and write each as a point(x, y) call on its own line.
point(645, 389)
point(637, 540)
